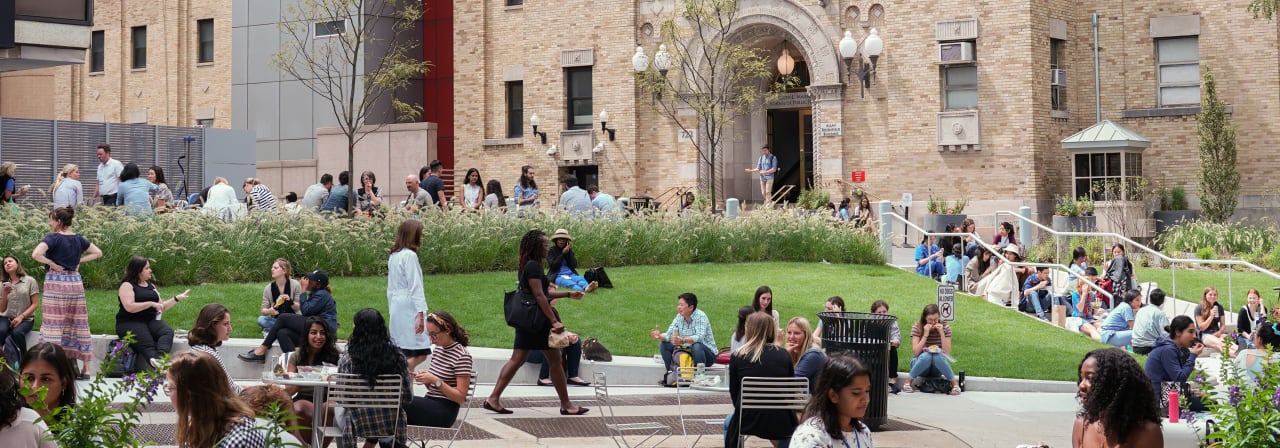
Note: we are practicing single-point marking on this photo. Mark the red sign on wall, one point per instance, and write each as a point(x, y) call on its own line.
point(859, 176)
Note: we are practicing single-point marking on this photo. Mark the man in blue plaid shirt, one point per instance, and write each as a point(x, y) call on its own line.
point(690, 328)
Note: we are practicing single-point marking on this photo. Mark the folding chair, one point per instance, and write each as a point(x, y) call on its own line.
point(351, 392)
point(682, 382)
point(457, 424)
point(770, 393)
point(617, 430)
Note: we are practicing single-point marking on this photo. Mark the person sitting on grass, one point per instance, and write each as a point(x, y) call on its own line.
point(806, 357)
point(929, 258)
point(980, 265)
point(1117, 410)
point(930, 346)
point(691, 328)
point(1149, 323)
point(277, 296)
point(563, 266)
point(1174, 357)
point(1117, 329)
point(290, 329)
point(839, 399)
point(1035, 292)
point(1087, 300)
point(953, 264)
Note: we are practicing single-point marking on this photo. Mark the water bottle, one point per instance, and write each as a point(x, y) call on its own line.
point(701, 371)
point(1174, 406)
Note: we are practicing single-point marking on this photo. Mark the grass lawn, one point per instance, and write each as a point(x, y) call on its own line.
point(989, 340)
point(1232, 289)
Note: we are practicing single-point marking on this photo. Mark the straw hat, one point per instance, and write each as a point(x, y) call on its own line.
point(561, 233)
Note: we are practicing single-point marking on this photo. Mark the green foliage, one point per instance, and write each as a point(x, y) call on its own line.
point(1264, 8)
point(1075, 208)
point(278, 417)
point(1046, 251)
point(1243, 409)
point(813, 199)
point(1206, 253)
point(1219, 179)
point(188, 248)
point(939, 206)
point(1178, 199)
point(1231, 240)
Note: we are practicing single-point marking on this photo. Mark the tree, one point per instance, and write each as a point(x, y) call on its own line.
point(714, 78)
point(1219, 179)
point(360, 67)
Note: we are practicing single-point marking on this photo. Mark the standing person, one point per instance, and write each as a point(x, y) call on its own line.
point(839, 399)
point(406, 301)
point(472, 191)
point(1120, 272)
point(434, 185)
point(563, 266)
point(496, 199)
point(1149, 323)
point(1116, 410)
point(8, 185)
point(895, 341)
point(574, 199)
point(447, 378)
point(532, 279)
point(691, 328)
point(212, 328)
point(1211, 319)
point(930, 345)
point(20, 427)
point(314, 197)
point(1249, 319)
point(369, 355)
point(759, 357)
point(162, 200)
point(369, 196)
point(603, 203)
point(134, 192)
point(46, 366)
point(67, 189)
point(417, 196)
point(319, 350)
point(290, 329)
point(953, 263)
point(209, 414)
point(139, 313)
point(258, 196)
point(767, 168)
point(65, 318)
point(19, 297)
point(336, 203)
point(526, 190)
point(278, 296)
point(1174, 357)
point(806, 357)
point(109, 170)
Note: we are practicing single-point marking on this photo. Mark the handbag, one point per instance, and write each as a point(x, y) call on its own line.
point(522, 312)
point(593, 350)
point(558, 340)
point(599, 276)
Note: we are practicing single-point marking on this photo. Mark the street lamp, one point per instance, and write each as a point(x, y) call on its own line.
point(533, 120)
point(604, 124)
point(871, 48)
point(661, 63)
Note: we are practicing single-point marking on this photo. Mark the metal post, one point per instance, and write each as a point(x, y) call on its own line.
point(1231, 268)
point(54, 160)
point(1024, 227)
point(886, 231)
point(1174, 273)
point(155, 145)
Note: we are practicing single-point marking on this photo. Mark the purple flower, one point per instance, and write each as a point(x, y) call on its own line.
point(1257, 380)
point(1234, 395)
point(1275, 398)
point(1200, 378)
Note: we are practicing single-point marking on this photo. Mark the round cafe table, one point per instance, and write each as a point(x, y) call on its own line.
point(319, 387)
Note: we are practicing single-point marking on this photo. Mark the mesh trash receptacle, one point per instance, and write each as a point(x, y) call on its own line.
point(865, 336)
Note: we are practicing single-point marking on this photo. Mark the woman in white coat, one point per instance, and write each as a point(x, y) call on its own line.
point(406, 302)
point(222, 201)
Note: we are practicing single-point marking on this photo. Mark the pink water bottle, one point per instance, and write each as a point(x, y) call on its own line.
point(1173, 406)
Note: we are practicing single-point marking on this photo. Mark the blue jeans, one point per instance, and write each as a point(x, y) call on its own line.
point(932, 269)
point(931, 364)
point(572, 356)
point(1035, 298)
point(701, 354)
point(1117, 338)
point(574, 282)
point(266, 322)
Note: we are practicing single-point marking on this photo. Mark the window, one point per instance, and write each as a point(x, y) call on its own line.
point(325, 29)
point(205, 122)
point(139, 47)
point(1098, 172)
point(96, 51)
point(578, 87)
point(205, 30)
point(515, 109)
point(1057, 55)
point(1178, 69)
point(515, 2)
point(960, 86)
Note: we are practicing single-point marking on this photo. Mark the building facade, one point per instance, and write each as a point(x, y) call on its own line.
point(969, 100)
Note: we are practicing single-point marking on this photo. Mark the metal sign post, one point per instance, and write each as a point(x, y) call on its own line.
point(947, 302)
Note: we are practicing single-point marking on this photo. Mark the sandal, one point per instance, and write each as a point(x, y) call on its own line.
point(548, 383)
point(908, 388)
point(497, 410)
point(955, 390)
point(577, 383)
point(581, 411)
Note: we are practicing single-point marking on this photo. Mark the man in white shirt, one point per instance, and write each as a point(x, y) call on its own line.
point(316, 194)
point(575, 199)
point(418, 197)
point(603, 203)
point(109, 170)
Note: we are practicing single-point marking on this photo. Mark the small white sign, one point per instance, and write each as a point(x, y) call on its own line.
point(906, 200)
point(947, 302)
point(830, 129)
point(686, 136)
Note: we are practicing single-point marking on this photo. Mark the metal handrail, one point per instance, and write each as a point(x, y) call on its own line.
point(996, 253)
point(1173, 262)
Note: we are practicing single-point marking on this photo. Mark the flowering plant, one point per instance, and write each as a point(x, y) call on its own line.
point(1075, 208)
point(939, 206)
point(1244, 410)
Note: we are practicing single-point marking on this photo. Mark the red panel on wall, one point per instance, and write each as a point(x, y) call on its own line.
point(437, 88)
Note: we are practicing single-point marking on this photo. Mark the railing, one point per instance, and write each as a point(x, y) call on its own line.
point(1173, 262)
point(886, 233)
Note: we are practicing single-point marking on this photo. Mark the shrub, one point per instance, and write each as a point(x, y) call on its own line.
point(1178, 199)
point(1047, 252)
point(939, 206)
point(188, 248)
point(1237, 240)
point(1075, 208)
point(1219, 179)
point(1206, 253)
point(813, 199)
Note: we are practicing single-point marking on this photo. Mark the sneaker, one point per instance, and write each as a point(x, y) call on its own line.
point(591, 286)
point(894, 388)
point(908, 388)
point(250, 356)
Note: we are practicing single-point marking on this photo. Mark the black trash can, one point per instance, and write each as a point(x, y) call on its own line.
point(865, 336)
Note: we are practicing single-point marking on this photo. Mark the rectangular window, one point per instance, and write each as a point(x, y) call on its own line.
point(1118, 172)
point(205, 31)
point(325, 29)
point(205, 122)
point(139, 47)
point(1178, 70)
point(960, 86)
point(578, 91)
point(515, 109)
point(1058, 89)
point(515, 2)
point(96, 52)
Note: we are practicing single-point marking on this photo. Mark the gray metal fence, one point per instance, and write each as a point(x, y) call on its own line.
point(42, 147)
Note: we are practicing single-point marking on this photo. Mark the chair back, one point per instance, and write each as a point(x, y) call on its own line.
point(783, 393)
point(601, 387)
point(351, 391)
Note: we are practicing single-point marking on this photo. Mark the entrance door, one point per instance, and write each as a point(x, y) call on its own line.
point(790, 137)
point(586, 174)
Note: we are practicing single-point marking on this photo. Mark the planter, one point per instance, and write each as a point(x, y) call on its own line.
point(1075, 223)
point(938, 223)
point(1168, 218)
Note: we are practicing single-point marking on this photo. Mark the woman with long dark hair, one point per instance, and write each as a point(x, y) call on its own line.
point(447, 378)
point(739, 336)
point(1005, 235)
point(162, 199)
point(47, 366)
point(930, 346)
point(472, 190)
point(289, 329)
point(763, 302)
point(320, 349)
point(496, 199)
point(533, 279)
point(895, 340)
point(209, 414)
point(19, 297)
point(839, 399)
point(759, 357)
point(1120, 271)
point(212, 327)
point(406, 301)
point(65, 318)
point(370, 354)
point(20, 427)
point(1174, 357)
point(139, 314)
point(526, 191)
point(1117, 408)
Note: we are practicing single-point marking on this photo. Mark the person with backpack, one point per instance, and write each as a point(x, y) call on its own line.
point(1120, 273)
point(690, 328)
point(767, 167)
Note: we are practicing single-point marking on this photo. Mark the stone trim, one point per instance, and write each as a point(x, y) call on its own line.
point(512, 73)
point(579, 57)
point(1057, 29)
point(1166, 111)
point(958, 29)
point(1175, 26)
point(499, 143)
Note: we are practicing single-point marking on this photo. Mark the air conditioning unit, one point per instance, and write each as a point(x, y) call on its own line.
point(955, 52)
point(1059, 77)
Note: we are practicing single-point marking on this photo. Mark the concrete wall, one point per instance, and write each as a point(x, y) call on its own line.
point(392, 152)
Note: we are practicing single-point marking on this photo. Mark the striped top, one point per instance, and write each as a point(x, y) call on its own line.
point(260, 199)
point(448, 364)
point(214, 352)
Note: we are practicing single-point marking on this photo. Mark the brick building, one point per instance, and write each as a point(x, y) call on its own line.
point(986, 125)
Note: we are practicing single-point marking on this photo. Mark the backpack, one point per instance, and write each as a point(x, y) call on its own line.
point(599, 276)
point(124, 364)
point(681, 357)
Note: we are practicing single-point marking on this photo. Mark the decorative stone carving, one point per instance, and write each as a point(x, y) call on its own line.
point(961, 29)
point(958, 130)
point(770, 18)
point(581, 57)
point(576, 144)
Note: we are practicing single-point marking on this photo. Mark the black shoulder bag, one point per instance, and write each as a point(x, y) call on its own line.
point(522, 311)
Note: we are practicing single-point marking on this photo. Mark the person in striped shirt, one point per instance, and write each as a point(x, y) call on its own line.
point(259, 196)
point(448, 375)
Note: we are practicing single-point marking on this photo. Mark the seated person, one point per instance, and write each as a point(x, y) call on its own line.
point(953, 264)
point(277, 296)
point(1174, 357)
point(289, 329)
point(929, 258)
point(807, 357)
point(760, 356)
point(448, 376)
point(320, 349)
point(1117, 328)
point(1035, 292)
point(690, 328)
point(930, 345)
point(1149, 323)
point(1117, 410)
point(139, 314)
point(572, 356)
point(562, 265)
point(979, 266)
point(1086, 300)
point(1001, 287)
point(1250, 361)
point(265, 399)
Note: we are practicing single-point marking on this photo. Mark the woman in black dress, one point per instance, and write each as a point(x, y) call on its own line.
point(533, 279)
